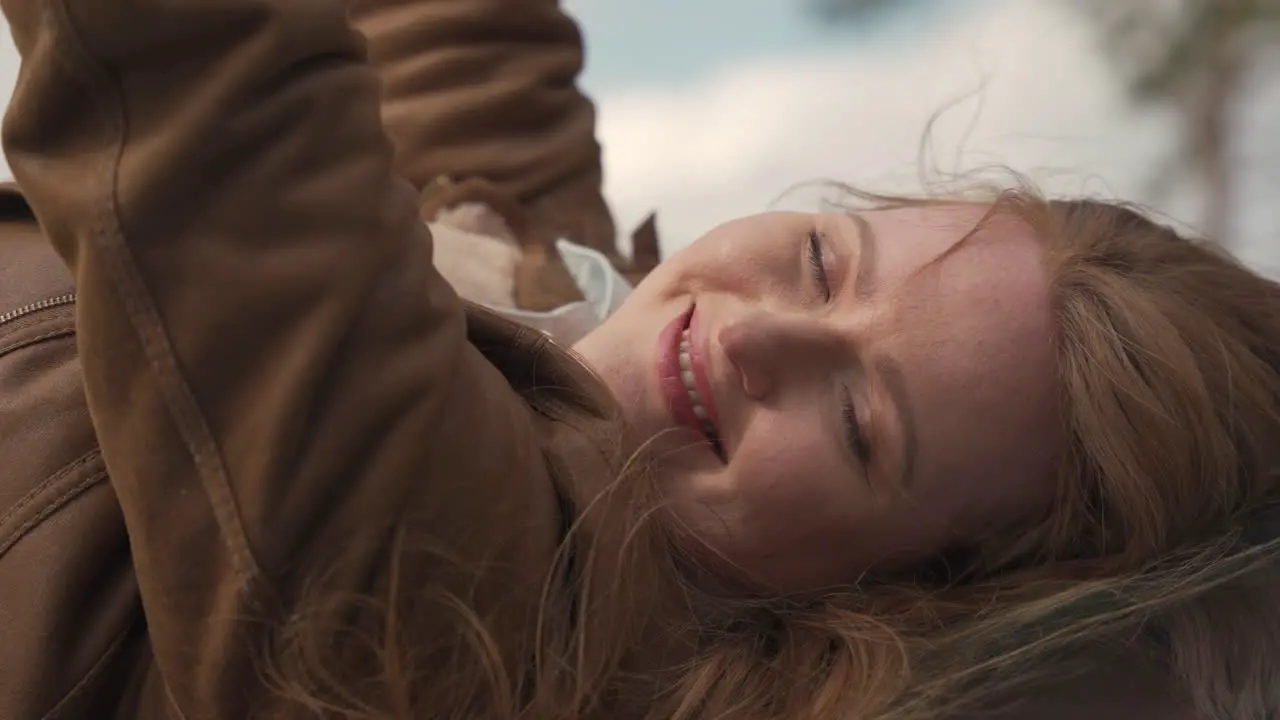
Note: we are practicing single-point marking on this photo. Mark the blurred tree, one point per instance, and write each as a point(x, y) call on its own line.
point(1199, 57)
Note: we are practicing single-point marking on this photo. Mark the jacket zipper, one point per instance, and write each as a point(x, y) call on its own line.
point(36, 307)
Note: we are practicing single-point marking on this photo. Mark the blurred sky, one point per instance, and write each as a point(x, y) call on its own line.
point(671, 41)
point(711, 109)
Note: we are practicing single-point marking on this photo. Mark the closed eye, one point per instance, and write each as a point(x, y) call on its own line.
point(818, 262)
point(854, 435)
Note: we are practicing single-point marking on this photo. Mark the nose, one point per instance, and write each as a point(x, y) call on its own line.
point(765, 347)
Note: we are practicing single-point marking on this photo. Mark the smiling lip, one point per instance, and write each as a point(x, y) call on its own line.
point(673, 387)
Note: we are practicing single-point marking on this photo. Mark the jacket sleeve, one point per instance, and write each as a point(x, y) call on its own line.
point(487, 89)
point(276, 372)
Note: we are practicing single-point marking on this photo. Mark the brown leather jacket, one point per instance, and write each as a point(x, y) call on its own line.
point(488, 89)
point(484, 92)
point(225, 354)
point(72, 624)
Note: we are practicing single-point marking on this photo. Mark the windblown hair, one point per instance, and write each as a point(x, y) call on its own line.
point(1162, 536)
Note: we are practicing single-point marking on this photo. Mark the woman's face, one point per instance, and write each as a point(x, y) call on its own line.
point(827, 393)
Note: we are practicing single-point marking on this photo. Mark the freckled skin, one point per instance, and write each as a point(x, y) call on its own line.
point(959, 351)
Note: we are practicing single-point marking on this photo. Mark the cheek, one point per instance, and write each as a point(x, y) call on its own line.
point(792, 515)
point(787, 478)
point(804, 505)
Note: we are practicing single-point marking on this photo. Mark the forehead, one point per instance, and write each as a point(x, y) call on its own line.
point(911, 238)
point(947, 254)
point(972, 328)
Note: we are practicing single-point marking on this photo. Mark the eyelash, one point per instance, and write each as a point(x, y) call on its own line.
point(817, 262)
point(853, 431)
point(854, 436)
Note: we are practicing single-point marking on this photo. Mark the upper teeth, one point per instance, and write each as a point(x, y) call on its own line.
point(690, 386)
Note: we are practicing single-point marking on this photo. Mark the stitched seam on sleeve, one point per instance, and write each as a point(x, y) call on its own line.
point(126, 280)
point(7, 348)
point(47, 511)
point(48, 482)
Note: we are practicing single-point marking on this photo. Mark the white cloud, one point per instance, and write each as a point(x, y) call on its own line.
point(1040, 99)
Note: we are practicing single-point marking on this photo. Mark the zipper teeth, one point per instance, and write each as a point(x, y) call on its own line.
point(37, 306)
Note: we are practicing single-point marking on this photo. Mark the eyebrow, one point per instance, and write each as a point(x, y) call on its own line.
point(891, 374)
point(864, 285)
point(889, 370)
